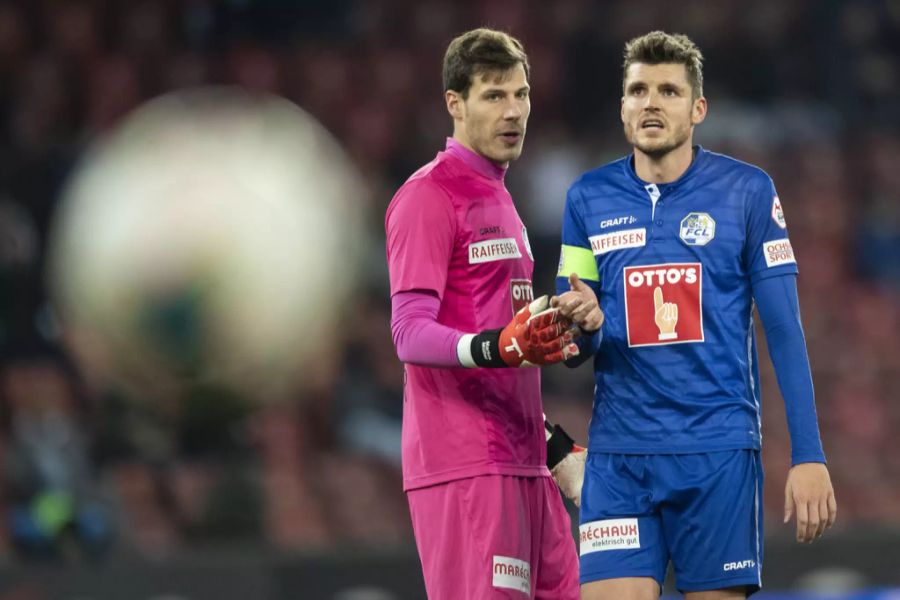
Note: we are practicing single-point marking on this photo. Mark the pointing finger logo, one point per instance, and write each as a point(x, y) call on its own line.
point(665, 315)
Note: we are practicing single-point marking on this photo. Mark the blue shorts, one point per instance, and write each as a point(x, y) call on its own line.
point(701, 511)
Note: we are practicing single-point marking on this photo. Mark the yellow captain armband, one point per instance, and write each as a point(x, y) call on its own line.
point(575, 259)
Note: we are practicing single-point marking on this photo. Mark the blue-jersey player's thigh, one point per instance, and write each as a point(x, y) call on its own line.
point(712, 519)
point(620, 531)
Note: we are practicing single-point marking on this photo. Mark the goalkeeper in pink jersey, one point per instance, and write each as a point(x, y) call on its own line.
point(488, 519)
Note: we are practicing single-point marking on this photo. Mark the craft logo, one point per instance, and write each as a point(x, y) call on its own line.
point(741, 564)
point(626, 220)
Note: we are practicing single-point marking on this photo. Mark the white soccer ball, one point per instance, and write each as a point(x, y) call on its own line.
point(211, 237)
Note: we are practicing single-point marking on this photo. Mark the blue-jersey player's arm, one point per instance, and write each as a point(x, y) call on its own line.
point(576, 257)
point(779, 308)
point(773, 276)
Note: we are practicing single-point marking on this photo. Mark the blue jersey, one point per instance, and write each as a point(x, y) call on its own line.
point(673, 266)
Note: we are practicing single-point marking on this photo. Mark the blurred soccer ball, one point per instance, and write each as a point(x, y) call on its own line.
point(211, 237)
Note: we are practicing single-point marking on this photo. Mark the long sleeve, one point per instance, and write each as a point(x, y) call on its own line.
point(418, 337)
point(779, 308)
point(576, 257)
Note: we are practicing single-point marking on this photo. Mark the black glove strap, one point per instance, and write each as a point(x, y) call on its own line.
point(486, 349)
point(558, 446)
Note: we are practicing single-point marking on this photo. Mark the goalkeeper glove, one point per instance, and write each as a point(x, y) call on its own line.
point(565, 459)
point(537, 335)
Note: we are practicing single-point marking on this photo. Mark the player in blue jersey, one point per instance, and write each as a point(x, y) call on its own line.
point(678, 243)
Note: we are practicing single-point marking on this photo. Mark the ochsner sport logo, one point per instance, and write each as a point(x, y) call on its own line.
point(778, 252)
point(663, 304)
point(512, 573)
point(609, 534)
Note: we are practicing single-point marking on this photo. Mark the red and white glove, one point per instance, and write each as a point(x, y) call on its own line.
point(566, 460)
point(537, 335)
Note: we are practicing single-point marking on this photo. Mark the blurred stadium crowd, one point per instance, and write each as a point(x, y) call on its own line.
point(808, 90)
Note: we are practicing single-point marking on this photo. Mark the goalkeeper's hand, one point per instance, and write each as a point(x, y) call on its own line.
point(565, 459)
point(537, 335)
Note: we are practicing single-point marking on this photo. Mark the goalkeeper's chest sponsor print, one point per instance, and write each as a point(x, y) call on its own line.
point(493, 249)
point(663, 303)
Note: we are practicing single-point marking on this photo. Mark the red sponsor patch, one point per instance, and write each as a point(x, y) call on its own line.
point(521, 292)
point(663, 304)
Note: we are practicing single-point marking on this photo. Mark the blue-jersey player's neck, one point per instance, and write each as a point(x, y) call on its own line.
point(666, 168)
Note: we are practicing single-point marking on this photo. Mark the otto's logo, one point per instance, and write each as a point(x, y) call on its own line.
point(778, 213)
point(609, 534)
point(663, 304)
point(511, 573)
point(697, 229)
point(661, 274)
point(491, 250)
point(741, 564)
point(778, 252)
point(521, 292)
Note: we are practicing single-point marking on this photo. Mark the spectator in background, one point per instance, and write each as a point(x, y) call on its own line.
point(53, 502)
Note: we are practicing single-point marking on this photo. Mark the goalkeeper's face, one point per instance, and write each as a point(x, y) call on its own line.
point(492, 119)
point(658, 108)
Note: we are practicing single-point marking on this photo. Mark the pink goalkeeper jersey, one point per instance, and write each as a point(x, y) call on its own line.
point(452, 229)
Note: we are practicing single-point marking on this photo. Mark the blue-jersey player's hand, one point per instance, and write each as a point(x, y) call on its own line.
point(809, 494)
point(580, 305)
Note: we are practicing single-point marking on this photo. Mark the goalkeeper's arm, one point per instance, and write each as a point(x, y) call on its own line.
point(536, 335)
point(566, 460)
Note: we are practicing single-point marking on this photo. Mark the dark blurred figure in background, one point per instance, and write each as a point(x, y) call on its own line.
point(54, 507)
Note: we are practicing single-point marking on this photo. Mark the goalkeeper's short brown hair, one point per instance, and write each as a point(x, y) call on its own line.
point(659, 47)
point(477, 52)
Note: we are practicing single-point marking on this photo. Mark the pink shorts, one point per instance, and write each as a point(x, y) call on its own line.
point(495, 536)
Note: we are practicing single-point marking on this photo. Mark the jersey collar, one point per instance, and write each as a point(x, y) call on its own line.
point(699, 159)
point(475, 161)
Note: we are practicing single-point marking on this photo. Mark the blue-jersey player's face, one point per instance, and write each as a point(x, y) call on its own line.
point(492, 119)
point(658, 110)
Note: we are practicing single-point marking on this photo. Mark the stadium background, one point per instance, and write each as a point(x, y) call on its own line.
point(304, 500)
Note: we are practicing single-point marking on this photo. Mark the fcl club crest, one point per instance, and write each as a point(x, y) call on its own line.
point(697, 229)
